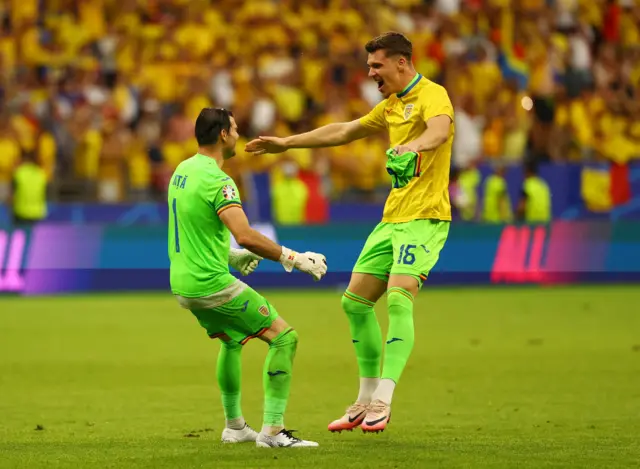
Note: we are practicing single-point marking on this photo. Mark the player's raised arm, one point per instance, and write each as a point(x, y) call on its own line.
point(309, 262)
point(330, 135)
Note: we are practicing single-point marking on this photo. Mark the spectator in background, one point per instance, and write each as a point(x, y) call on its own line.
point(29, 194)
point(455, 195)
point(115, 151)
point(496, 206)
point(469, 182)
point(263, 113)
point(467, 145)
point(514, 109)
point(463, 192)
point(535, 204)
point(9, 155)
point(289, 196)
point(595, 188)
point(556, 80)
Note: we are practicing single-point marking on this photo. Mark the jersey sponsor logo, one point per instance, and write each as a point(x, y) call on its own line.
point(229, 192)
point(263, 310)
point(408, 109)
point(388, 110)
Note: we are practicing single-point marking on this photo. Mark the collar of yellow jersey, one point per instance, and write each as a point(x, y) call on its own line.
point(410, 86)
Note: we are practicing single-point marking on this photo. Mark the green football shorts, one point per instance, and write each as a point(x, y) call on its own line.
point(245, 317)
point(410, 248)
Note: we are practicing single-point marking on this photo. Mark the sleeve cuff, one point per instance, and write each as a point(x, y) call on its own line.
point(224, 207)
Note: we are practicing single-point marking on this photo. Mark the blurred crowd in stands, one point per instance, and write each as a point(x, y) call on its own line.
point(103, 93)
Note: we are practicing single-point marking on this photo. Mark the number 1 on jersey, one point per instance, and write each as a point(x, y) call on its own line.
point(175, 224)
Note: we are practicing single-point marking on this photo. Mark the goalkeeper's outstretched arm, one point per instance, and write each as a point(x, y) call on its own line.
point(330, 135)
point(236, 220)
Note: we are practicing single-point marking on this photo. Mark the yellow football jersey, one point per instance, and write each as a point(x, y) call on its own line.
point(405, 116)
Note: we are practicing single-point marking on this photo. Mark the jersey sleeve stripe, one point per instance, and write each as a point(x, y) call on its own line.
point(229, 205)
point(230, 202)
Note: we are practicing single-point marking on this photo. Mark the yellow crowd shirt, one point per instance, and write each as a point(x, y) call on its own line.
point(405, 116)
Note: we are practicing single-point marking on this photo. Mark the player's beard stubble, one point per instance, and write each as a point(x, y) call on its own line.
point(228, 153)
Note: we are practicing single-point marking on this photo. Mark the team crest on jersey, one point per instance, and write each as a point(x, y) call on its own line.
point(263, 310)
point(229, 192)
point(408, 109)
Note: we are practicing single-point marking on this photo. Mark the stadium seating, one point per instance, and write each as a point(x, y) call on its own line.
point(105, 92)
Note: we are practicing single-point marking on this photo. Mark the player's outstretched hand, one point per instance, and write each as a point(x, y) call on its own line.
point(243, 261)
point(311, 263)
point(263, 145)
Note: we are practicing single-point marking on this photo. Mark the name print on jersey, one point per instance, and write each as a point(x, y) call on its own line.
point(179, 181)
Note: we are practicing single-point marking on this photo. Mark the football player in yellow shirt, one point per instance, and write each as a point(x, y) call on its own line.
point(405, 246)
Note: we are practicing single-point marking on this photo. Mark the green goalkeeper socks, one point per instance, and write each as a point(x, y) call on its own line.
point(277, 376)
point(229, 371)
point(365, 333)
point(400, 337)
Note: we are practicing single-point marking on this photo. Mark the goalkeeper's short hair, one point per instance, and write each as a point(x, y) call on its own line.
point(210, 123)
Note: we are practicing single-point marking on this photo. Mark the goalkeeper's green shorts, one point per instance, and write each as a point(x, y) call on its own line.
point(245, 317)
point(410, 248)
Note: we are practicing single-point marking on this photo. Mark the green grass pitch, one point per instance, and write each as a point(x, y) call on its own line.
point(499, 378)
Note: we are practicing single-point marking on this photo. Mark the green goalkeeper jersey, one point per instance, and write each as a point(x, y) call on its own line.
point(199, 192)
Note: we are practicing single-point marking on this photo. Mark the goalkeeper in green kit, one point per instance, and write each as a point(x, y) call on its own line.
point(204, 210)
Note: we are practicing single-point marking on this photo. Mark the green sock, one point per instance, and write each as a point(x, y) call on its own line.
point(400, 337)
point(277, 376)
point(229, 371)
point(365, 333)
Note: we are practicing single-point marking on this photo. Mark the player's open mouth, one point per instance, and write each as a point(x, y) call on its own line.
point(380, 84)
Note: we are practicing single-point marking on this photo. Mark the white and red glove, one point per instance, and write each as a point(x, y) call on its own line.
point(311, 263)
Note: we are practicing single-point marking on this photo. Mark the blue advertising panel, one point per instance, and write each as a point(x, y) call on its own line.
point(57, 258)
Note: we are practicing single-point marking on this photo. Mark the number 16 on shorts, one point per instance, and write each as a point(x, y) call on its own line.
point(407, 254)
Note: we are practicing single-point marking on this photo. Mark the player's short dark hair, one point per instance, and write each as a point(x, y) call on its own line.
point(391, 43)
point(210, 123)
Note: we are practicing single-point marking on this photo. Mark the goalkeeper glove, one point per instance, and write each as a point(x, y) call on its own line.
point(243, 261)
point(311, 263)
